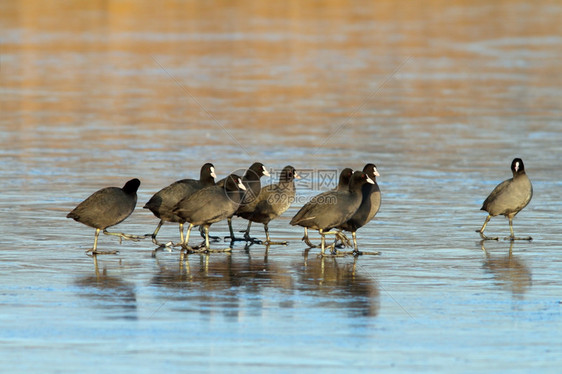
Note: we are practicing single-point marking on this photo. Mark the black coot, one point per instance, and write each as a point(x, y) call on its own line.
point(272, 201)
point(343, 185)
point(509, 198)
point(370, 204)
point(163, 202)
point(210, 205)
point(333, 208)
point(252, 183)
point(107, 207)
point(345, 178)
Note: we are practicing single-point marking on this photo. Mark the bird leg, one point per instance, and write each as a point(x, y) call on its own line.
point(153, 235)
point(181, 232)
point(247, 232)
point(121, 235)
point(185, 243)
point(213, 238)
point(247, 236)
point(343, 239)
point(207, 237)
point(96, 241)
point(323, 242)
point(268, 242)
point(232, 237)
point(202, 233)
point(94, 250)
point(169, 245)
point(356, 252)
point(512, 237)
point(334, 252)
point(481, 231)
point(206, 248)
point(354, 236)
point(307, 240)
point(165, 246)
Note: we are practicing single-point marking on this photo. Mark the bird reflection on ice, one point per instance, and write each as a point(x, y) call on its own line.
point(509, 271)
point(232, 283)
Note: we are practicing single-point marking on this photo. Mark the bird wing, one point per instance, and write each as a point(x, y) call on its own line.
point(496, 193)
point(169, 196)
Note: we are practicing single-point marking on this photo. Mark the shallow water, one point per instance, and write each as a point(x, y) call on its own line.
point(441, 96)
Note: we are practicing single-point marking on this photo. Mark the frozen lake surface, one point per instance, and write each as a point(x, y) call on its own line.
point(441, 97)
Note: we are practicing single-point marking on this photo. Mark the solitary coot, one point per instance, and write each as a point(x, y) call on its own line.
point(163, 202)
point(107, 207)
point(509, 198)
point(209, 205)
point(333, 208)
point(343, 184)
point(370, 204)
point(272, 201)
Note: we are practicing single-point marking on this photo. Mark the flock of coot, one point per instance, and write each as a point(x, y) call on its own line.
point(350, 206)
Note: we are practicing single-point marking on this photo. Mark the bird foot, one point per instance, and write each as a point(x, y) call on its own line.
point(354, 253)
point(203, 250)
point(121, 236)
point(206, 250)
point(201, 245)
point(248, 238)
point(234, 239)
point(484, 237)
point(153, 238)
point(164, 247)
point(92, 252)
point(269, 242)
point(364, 253)
point(512, 238)
point(215, 239)
point(332, 253)
point(343, 239)
point(224, 250)
point(308, 242)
